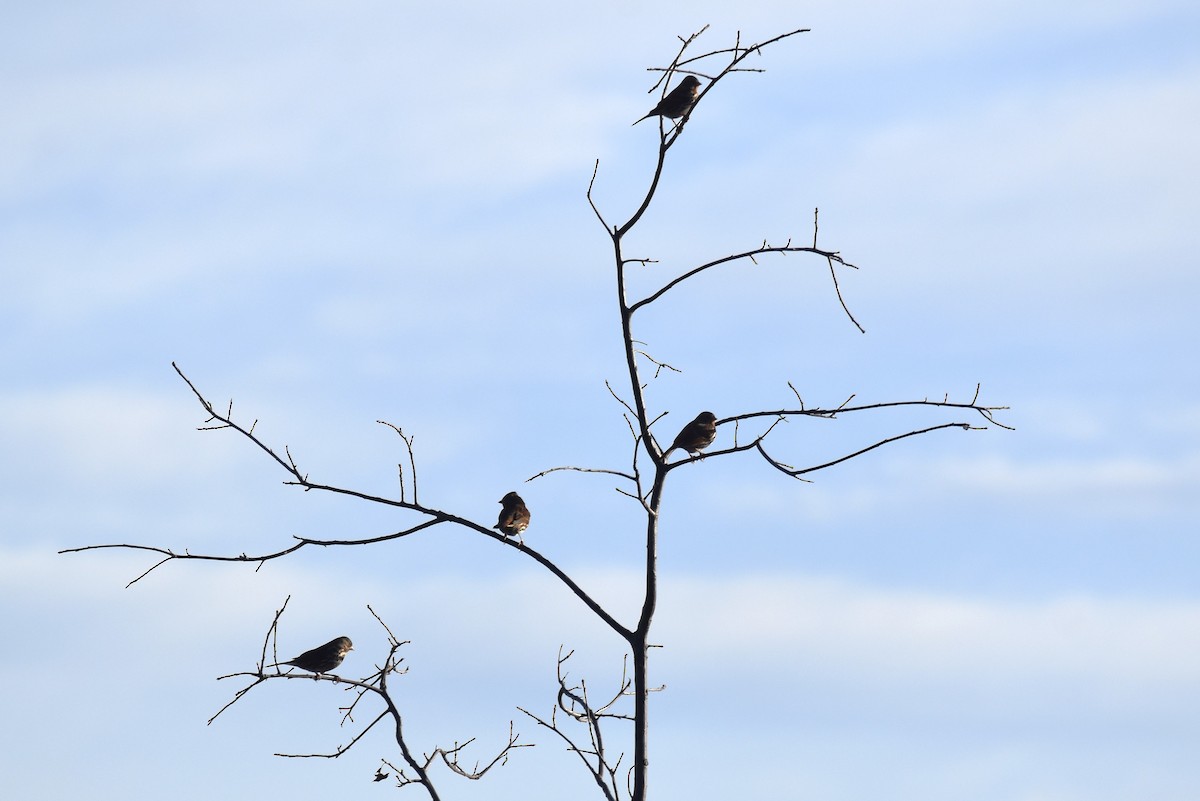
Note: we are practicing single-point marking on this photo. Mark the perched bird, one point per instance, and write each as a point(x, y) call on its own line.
point(696, 435)
point(324, 658)
point(678, 101)
point(514, 515)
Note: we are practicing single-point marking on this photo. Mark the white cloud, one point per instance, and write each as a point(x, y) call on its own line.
point(1138, 485)
point(179, 179)
point(97, 433)
point(777, 622)
point(843, 671)
point(1142, 487)
point(958, 28)
point(756, 622)
point(1049, 159)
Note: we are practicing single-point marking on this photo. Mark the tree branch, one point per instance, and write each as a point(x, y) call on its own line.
point(375, 684)
point(986, 412)
point(795, 473)
point(832, 256)
point(572, 700)
point(581, 470)
point(437, 516)
point(450, 756)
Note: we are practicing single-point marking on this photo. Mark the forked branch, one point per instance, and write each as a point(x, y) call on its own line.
point(416, 770)
point(988, 413)
point(780, 415)
point(573, 701)
point(224, 420)
point(830, 255)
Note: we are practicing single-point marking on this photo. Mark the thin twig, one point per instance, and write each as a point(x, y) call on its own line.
point(408, 444)
point(987, 412)
point(581, 470)
point(833, 256)
point(795, 473)
point(437, 516)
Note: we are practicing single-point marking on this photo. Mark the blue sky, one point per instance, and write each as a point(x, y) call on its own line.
point(340, 213)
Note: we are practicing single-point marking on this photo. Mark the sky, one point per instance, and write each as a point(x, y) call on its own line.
point(331, 214)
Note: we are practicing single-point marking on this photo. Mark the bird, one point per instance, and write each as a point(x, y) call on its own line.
point(514, 515)
point(696, 435)
point(678, 102)
point(324, 658)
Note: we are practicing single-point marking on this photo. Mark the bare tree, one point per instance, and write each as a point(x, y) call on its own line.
point(579, 717)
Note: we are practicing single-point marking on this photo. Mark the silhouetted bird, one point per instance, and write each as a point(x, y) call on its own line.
point(323, 658)
point(514, 515)
point(678, 101)
point(696, 435)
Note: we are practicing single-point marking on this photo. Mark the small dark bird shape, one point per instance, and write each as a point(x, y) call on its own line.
point(696, 435)
point(324, 658)
point(514, 515)
point(678, 102)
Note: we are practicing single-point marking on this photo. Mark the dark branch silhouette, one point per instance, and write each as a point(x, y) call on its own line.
point(573, 702)
point(577, 718)
point(375, 685)
point(649, 494)
point(437, 516)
